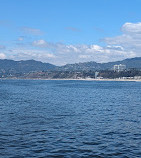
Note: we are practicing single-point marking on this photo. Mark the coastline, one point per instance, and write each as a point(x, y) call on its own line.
point(130, 80)
point(72, 79)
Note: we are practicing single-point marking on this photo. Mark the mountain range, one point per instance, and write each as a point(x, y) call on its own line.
point(130, 63)
point(26, 66)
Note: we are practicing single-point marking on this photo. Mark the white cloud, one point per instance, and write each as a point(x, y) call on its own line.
point(26, 54)
point(127, 45)
point(93, 49)
point(21, 38)
point(2, 56)
point(120, 48)
point(32, 31)
point(40, 43)
point(79, 53)
point(129, 41)
point(134, 28)
point(84, 56)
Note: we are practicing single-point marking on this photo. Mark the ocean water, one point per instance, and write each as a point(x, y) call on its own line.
point(70, 119)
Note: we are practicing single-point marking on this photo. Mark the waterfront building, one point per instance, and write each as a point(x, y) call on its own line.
point(96, 74)
point(119, 67)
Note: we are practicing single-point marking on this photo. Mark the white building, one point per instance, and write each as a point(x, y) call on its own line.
point(96, 74)
point(119, 67)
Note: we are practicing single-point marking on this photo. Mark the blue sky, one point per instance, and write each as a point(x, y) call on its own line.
point(69, 31)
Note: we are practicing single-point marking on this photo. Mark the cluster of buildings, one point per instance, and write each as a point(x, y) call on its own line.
point(120, 67)
point(127, 73)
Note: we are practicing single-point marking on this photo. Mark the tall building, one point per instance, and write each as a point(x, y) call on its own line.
point(119, 67)
point(96, 74)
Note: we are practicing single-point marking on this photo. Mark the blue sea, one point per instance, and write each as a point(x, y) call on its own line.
point(70, 119)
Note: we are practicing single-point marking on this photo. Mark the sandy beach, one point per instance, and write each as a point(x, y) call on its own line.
point(73, 79)
point(92, 79)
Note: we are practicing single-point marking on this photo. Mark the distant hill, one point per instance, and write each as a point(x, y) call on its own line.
point(130, 63)
point(24, 66)
point(81, 66)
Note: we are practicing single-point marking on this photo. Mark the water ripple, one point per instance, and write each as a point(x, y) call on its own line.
point(70, 119)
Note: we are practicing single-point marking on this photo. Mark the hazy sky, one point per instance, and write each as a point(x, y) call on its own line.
point(69, 31)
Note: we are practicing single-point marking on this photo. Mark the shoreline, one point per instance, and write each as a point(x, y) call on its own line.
point(72, 79)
